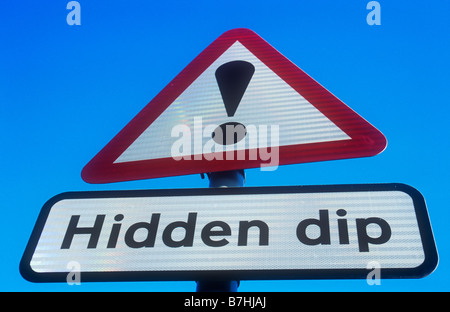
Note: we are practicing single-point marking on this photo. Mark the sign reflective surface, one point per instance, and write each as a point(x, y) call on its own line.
point(292, 232)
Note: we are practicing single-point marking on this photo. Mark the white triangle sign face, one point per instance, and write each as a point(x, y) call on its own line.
point(239, 104)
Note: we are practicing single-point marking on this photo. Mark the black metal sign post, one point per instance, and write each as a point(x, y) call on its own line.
point(232, 178)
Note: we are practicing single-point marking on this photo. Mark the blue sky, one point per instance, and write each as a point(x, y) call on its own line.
point(65, 91)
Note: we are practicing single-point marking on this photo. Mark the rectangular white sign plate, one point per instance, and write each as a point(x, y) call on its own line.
point(294, 232)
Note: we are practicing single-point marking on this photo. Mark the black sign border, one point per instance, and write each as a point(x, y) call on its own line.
point(427, 267)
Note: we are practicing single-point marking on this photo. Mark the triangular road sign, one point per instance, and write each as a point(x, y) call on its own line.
point(278, 113)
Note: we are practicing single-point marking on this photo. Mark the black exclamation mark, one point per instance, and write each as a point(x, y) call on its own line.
point(233, 79)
